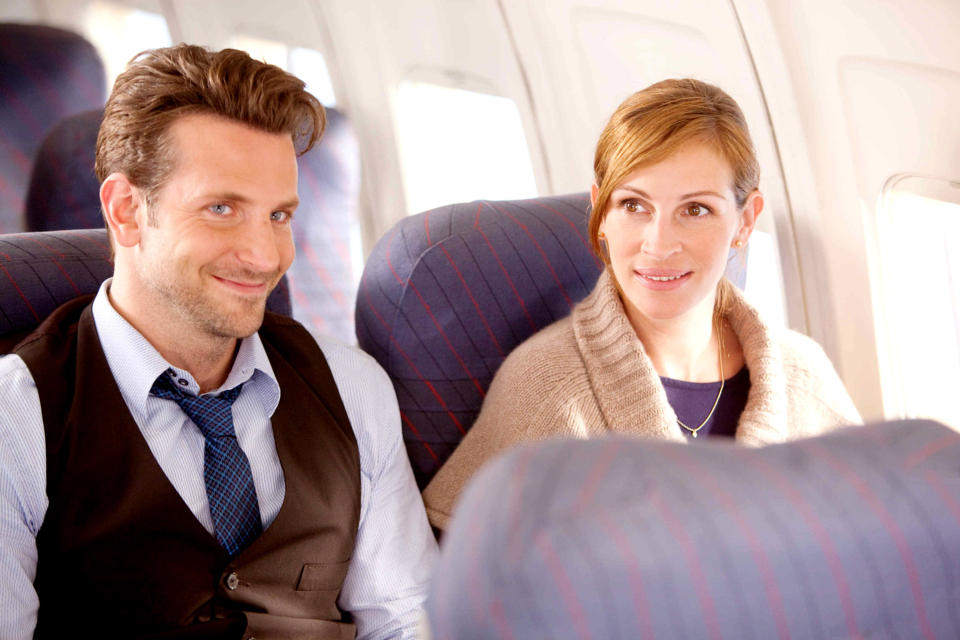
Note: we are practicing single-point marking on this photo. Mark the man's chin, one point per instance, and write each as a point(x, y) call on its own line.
point(240, 324)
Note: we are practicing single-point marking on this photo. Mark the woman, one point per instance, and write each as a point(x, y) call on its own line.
point(664, 346)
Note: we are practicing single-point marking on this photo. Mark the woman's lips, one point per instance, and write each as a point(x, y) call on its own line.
point(662, 279)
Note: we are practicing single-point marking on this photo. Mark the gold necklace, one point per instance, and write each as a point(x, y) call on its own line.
point(719, 393)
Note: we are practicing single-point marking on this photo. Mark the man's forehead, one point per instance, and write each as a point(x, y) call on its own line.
point(213, 154)
point(204, 127)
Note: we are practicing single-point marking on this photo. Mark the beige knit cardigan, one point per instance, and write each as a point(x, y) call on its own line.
point(587, 375)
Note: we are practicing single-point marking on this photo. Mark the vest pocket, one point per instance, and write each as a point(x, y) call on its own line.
point(323, 576)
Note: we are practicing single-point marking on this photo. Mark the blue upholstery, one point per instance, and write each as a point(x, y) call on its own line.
point(41, 271)
point(325, 230)
point(64, 192)
point(45, 75)
point(854, 534)
point(447, 294)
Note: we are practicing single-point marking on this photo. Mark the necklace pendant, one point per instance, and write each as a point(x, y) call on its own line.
point(694, 434)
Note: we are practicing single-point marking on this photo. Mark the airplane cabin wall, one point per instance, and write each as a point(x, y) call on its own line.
point(861, 90)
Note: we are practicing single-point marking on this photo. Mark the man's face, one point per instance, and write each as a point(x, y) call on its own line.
point(219, 237)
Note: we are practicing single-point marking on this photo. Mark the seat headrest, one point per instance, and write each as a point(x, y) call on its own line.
point(45, 74)
point(853, 534)
point(64, 192)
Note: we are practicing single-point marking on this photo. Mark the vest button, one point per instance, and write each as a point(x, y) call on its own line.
point(233, 581)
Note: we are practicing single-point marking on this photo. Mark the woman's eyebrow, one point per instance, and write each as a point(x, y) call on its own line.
point(703, 193)
point(639, 192)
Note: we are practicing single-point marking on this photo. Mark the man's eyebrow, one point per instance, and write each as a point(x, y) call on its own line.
point(231, 196)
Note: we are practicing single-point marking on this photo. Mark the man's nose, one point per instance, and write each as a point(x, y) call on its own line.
point(257, 246)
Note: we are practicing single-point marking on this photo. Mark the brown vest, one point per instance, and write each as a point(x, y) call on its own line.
point(120, 553)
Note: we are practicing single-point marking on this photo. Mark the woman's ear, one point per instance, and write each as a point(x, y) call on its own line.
point(748, 218)
point(594, 192)
point(121, 202)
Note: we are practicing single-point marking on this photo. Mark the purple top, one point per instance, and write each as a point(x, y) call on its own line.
point(691, 401)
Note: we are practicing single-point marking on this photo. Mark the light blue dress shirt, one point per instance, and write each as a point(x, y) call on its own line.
point(395, 550)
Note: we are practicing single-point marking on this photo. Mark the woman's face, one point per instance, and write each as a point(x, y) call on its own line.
point(668, 231)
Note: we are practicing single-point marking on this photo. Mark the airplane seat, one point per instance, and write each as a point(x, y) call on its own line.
point(325, 230)
point(42, 270)
point(64, 192)
point(447, 294)
point(852, 534)
point(46, 74)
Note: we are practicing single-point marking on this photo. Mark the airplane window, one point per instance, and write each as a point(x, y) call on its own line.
point(307, 64)
point(919, 232)
point(764, 282)
point(119, 33)
point(458, 145)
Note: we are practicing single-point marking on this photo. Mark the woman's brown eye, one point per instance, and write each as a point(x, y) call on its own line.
point(696, 210)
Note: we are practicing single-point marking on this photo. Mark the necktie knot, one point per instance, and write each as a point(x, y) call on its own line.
point(213, 415)
point(226, 469)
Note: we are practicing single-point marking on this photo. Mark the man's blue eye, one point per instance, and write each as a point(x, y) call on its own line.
point(279, 216)
point(220, 209)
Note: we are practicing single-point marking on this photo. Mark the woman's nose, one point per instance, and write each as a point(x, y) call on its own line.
point(661, 238)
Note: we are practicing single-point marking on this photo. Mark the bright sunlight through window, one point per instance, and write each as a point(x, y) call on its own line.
point(458, 145)
point(119, 33)
point(920, 235)
point(306, 64)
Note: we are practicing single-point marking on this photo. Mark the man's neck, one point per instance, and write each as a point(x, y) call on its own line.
point(207, 358)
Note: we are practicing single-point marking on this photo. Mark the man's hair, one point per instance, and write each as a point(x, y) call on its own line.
point(161, 85)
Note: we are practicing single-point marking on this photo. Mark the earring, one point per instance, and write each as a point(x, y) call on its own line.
point(738, 244)
point(601, 235)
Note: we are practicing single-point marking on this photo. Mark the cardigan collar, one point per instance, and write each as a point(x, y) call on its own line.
point(628, 389)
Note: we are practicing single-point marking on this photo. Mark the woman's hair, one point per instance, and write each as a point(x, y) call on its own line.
point(162, 85)
point(655, 123)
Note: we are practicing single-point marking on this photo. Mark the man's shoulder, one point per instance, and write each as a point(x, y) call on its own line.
point(350, 363)
point(13, 373)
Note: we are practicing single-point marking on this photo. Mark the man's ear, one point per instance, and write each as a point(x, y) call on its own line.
point(121, 203)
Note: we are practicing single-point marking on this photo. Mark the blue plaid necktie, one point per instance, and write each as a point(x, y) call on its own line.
point(226, 470)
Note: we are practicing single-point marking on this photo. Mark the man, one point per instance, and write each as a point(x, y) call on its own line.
point(174, 463)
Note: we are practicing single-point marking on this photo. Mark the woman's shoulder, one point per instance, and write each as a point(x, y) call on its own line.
point(801, 352)
point(552, 348)
point(812, 378)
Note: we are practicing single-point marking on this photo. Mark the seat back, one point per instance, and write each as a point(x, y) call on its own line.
point(853, 534)
point(326, 232)
point(46, 74)
point(64, 192)
point(447, 294)
point(43, 270)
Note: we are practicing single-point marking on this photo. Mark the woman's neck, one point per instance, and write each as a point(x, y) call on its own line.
point(682, 348)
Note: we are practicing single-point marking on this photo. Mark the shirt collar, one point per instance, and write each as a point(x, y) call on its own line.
point(136, 364)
